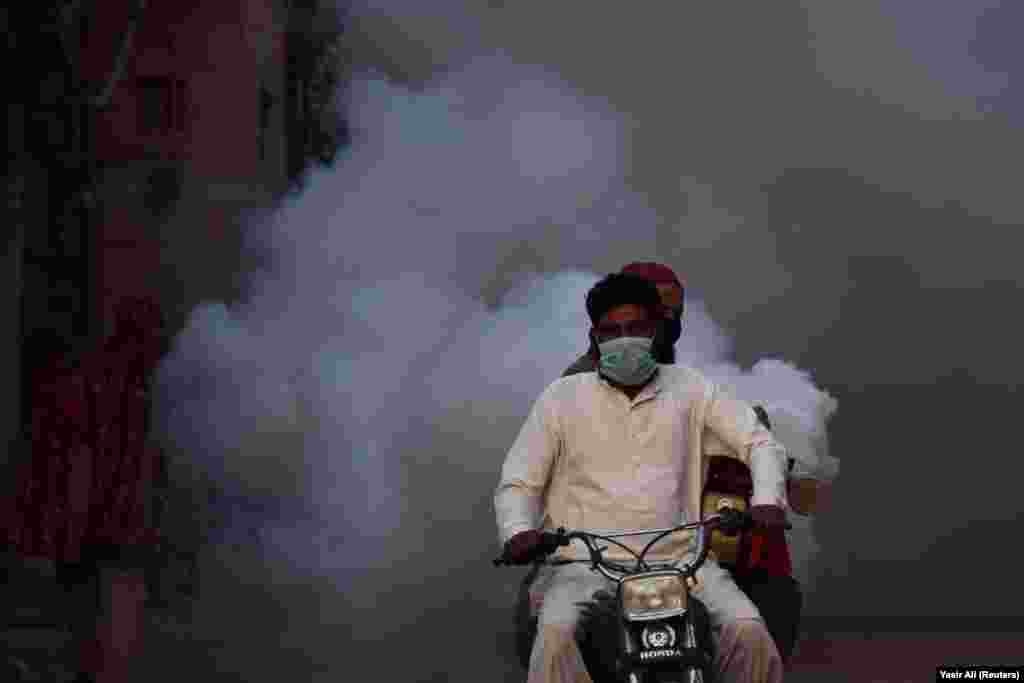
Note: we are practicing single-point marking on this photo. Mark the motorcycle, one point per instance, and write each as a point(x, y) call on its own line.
point(652, 630)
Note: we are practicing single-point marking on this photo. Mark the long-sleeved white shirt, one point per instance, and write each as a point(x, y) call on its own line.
point(589, 457)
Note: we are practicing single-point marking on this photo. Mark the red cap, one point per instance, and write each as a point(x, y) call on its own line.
point(655, 272)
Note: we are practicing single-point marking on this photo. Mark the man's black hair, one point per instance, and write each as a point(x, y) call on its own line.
point(619, 289)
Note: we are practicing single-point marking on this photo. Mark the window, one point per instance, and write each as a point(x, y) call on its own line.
point(153, 105)
point(267, 101)
point(161, 105)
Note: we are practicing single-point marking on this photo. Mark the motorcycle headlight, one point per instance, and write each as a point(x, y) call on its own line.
point(653, 596)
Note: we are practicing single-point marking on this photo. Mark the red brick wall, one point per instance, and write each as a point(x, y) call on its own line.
point(206, 55)
point(127, 260)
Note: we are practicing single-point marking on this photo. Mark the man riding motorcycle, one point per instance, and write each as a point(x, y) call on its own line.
point(622, 448)
point(760, 559)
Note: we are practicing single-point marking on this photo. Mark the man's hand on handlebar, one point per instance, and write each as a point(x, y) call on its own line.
point(528, 546)
point(522, 548)
point(733, 521)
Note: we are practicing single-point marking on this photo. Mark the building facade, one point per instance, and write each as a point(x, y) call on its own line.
point(140, 136)
point(193, 136)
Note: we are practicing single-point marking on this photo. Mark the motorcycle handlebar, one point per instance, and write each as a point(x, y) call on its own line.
point(729, 520)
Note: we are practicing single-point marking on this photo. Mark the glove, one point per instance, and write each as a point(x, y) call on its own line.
point(768, 516)
point(523, 547)
point(733, 522)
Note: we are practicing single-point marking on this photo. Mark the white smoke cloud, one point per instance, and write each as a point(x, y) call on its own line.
point(799, 413)
point(358, 402)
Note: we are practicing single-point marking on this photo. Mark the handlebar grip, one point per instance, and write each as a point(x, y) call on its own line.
point(550, 541)
point(733, 521)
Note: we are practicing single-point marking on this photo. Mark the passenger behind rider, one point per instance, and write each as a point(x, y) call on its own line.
point(765, 571)
point(622, 448)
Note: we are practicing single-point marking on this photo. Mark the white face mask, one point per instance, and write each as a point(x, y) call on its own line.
point(627, 360)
